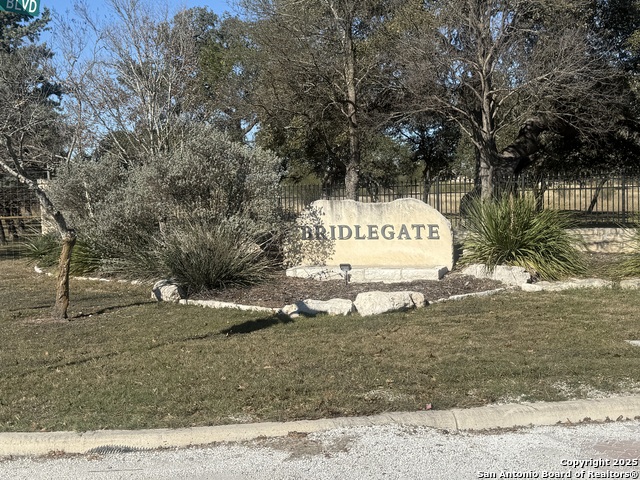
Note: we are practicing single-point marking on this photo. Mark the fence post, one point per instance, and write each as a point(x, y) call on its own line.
point(624, 198)
point(438, 193)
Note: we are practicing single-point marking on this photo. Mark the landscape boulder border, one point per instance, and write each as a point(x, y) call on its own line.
point(506, 274)
point(569, 284)
point(167, 291)
point(310, 307)
point(376, 302)
point(236, 306)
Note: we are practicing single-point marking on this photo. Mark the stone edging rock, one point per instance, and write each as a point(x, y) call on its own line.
point(237, 306)
point(375, 302)
point(37, 269)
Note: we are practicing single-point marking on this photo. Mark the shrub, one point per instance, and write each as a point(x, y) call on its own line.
point(201, 257)
point(132, 215)
point(296, 250)
point(509, 230)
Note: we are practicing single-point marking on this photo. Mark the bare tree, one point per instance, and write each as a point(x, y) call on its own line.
point(509, 72)
point(130, 79)
point(30, 126)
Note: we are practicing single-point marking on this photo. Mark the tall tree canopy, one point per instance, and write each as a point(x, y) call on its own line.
point(325, 79)
point(130, 80)
point(509, 72)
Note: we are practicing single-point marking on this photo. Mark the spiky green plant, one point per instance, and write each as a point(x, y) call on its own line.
point(508, 230)
point(630, 266)
point(201, 257)
point(45, 252)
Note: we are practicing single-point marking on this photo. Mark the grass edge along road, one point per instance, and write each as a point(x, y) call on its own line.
point(127, 362)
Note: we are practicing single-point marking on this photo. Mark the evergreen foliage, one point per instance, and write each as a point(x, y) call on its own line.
point(139, 218)
point(509, 230)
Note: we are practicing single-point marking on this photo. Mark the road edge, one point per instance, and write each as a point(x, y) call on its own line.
point(471, 419)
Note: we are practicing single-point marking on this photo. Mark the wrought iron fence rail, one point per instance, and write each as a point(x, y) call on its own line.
point(594, 200)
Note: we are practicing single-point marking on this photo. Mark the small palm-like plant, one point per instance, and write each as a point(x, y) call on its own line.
point(45, 252)
point(630, 266)
point(509, 230)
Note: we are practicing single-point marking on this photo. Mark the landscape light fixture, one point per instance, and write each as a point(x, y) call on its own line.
point(345, 267)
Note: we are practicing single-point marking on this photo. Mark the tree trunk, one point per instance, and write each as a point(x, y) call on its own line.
point(488, 168)
point(517, 156)
point(487, 181)
point(352, 177)
point(494, 165)
point(68, 237)
point(62, 283)
point(3, 238)
point(596, 194)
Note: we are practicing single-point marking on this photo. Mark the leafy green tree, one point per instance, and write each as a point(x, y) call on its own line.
point(510, 74)
point(613, 24)
point(324, 70)
point(433, 143)
point(30, 124)
point(226, 73)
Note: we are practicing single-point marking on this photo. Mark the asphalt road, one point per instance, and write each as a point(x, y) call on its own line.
point(606, 450)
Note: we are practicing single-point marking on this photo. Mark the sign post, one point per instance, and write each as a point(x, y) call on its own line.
point(25, 7)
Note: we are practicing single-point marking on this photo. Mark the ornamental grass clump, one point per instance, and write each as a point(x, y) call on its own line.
point(201, 257)
point(630, 266)
point(509, 230)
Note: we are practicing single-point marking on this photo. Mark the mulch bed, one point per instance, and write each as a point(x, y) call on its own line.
point(281, 290)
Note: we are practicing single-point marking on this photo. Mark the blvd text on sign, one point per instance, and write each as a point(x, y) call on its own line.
point(26, 7)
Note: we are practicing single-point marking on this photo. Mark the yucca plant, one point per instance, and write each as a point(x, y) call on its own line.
point(630, 266)
point(45, 252)
point(509, 230)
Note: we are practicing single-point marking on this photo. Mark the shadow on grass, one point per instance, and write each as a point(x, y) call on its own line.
point(255, 325)
point(35, 307)
point(82, 361)
point(108, 309)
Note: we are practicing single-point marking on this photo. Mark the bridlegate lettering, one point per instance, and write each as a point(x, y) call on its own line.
point(372, 232)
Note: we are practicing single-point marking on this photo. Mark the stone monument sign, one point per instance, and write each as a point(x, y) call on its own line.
point(396, 241)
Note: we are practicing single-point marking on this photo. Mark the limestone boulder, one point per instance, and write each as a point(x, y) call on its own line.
point(567, 285)
point(167, 291)
point(374, 303)
point(630, 284)
point(310, 307)
point(506, 274)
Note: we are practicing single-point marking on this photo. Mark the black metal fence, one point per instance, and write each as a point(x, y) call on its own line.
point(20, 218)
point(594, 200)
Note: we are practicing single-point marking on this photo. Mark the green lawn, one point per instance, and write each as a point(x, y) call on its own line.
point(124, 361)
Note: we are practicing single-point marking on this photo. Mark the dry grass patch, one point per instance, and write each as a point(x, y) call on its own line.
point(126, 362)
